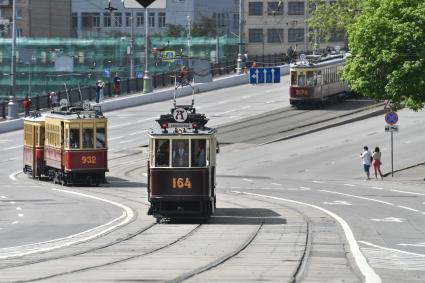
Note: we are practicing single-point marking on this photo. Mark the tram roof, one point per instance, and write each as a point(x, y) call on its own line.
point(75, 113)
point(316, 61)
point(38, 117)
point(180, 132)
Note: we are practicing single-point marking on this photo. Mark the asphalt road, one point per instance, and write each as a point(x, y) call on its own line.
point(285, 209)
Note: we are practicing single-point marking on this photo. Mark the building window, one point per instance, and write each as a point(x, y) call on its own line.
point(151, 20)
point(295, 8)
point(161, 20)
point(118, 19)
point(86, 20)
point(140, 19)
point(296, 35)
point(19, 12)
point(273, 8)
point(255, 8)
point(128, 19)
point(96, 20)
point(275, 35)
point(75, 21)
point(107, 20)
point(255, 35)
point(19, 32)
point(235, 21)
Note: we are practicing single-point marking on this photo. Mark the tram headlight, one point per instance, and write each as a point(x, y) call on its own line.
point(194, 125)
point(164, 125)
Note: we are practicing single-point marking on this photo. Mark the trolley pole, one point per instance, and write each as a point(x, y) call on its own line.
point(147, 80)
point(12, 107)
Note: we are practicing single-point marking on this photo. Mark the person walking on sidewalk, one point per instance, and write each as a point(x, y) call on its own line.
point(376, 155)
point(26, 104)
point(366, 157)
point(117, 85)
point(99, 91)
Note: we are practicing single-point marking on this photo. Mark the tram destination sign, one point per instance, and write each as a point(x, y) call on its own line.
point(180, 125)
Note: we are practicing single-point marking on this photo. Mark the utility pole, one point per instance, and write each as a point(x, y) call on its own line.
point(239, 61)
point(12, 107)
point(147, 80)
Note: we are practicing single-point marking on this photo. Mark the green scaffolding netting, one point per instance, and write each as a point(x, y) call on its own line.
point(95, 58)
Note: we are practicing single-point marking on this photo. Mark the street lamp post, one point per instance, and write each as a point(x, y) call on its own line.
point(132, 45)
point(189, 39)
point(12, 107)
point(239, 61)
point(147, 80)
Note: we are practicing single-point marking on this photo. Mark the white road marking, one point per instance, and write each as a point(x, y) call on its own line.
point(377, 188)
point(225, 112)
point(367, 271)
point(13, 147)
point(271, 90)
point(276, 184)
point(248, 180)
point(407, 208)
point(10, 159)
point(3, 141)
point(20, 215)
point(270, 101)
point(338, 202)
point(387, 258)
point(12, 202)
point(116, 138)
point(3, 197)
point(359, 197)
point(412, 245)
point(247, 96)
point(13, 176)
point(18, 251)
point(410, 193)
point(145, 174)
point(246, 107)
point(389, 219)
point(14, 223)
point(318, 182)
point(145, 119)
point(126, 141)
point(349, 185)
point(305, 189)
point(235, 187)
point(18, 208)
point(138, 133)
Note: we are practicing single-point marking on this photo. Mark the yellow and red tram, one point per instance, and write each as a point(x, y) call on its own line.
point(316, 80)
point(75, 145)
point(182, 166)
point(34, 164)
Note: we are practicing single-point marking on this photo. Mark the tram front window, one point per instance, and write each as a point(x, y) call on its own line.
point(198, 153)
point(293, 78)
point(162, 153)
point(180, 153)
point(74, 138)
point(87, 138)
point(301, 79)
point(310, 78)
point(100, 138)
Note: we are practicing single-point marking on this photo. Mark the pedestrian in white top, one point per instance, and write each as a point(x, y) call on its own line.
point(366, 157)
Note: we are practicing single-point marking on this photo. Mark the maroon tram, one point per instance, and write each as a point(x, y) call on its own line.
point(316, 80)
point(68, 145)
point(181, 166)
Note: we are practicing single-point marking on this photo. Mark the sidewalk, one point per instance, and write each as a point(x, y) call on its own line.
point(415, 173)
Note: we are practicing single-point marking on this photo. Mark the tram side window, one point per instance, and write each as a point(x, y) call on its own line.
point(301, 79)
point(199, 153)
point(180, 153)
point(74, 138)
point(293, 78)
point(41, 136)
point(87, 138)
point(162, 153)
point(310, 78)
point(100, 138)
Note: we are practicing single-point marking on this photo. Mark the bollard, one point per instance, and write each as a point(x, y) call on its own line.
point(37, 103)
point(3, 109)
point(128, 86)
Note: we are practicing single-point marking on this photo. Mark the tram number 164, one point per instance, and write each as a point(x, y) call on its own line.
point(182, 183)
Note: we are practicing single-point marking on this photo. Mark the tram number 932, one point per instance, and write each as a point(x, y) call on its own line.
point(88, 159)
point(182, 183)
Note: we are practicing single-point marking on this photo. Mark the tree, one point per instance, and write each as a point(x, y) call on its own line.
point(328, 18)
point(174, 30)
point(205, 27)
point(387, 47)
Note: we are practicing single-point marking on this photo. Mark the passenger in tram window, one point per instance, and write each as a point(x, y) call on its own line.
point(74, 140)
point(180, 153)
point(301, 79)
point(310, 78)
point(162, 154)
point(88, 138)
point(198, 159)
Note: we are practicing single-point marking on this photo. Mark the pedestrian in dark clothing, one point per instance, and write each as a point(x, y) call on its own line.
point(99, 91)
point(117, 85)
point(54, 99)
point(26, 104)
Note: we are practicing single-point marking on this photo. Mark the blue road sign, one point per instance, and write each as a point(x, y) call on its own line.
point(391, 118)
point(106, 73)
point(139, 74)
point(264, 75)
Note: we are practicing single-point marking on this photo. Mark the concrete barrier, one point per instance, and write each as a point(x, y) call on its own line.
point(158, 95)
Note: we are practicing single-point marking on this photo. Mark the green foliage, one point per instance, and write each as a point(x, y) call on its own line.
point(206, 27)
point(387, 46)
point(327, 18)
point(174, 30)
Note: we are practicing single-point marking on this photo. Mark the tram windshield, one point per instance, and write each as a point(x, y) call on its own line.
point(162, 153)
point(87, 138)
point(180, 153)
point(74, 138)
point(100, 138)
point(199, 153)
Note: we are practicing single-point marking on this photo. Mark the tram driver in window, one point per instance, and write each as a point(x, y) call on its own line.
point(88, 139)
point(198, 159)
point(180, 154)
point(162, 153)
point(74, 140)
